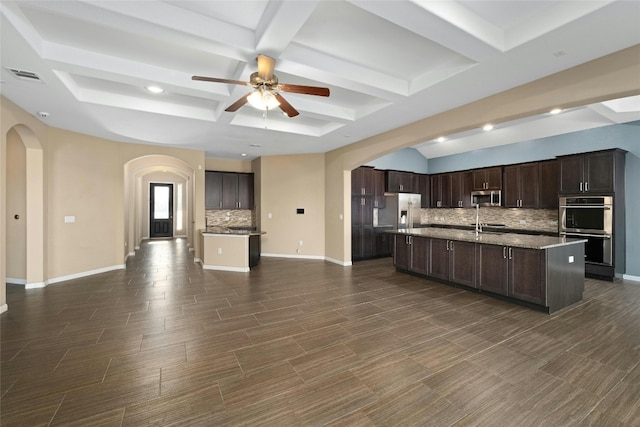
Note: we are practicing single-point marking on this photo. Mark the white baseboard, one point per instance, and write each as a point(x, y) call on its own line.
point(130, 254)
point(86, 273)
point(296, 256)
point(35, 285)
point(23, 282)
point(337, 261)
point(624, 276)
point(318, 257)
point(197, 261)
point(3, 308)
point(225, 268)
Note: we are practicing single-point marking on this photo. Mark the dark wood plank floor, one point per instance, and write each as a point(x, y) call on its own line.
point(299, 342)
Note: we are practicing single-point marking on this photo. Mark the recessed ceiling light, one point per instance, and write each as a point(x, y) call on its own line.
point(441, 139)
point(487, 127)
point(244, 154)
point(155, 89)
point(255, 145)
point(556, 111)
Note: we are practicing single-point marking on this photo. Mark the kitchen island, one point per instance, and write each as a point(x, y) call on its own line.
point(230, 249)
point(543, 272)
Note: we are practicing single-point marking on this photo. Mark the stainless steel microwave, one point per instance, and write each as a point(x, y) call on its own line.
point(486, 198)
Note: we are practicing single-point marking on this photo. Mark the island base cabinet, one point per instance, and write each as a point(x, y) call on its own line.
point(492, 269)
point(515, 272)
point(527, 279)
point(452, 261)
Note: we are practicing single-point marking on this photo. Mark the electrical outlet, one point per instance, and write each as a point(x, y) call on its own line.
point(522, 221)
point(300, 243)
point(219, 251)
point(571, 259)
point(269, 215)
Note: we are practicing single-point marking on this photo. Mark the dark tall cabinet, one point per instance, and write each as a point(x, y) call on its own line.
point(362, 231)
point(591, 173)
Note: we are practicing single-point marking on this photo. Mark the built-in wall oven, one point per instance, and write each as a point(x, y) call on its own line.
point(591, 218)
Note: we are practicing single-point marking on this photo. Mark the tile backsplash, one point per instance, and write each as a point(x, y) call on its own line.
point(230, 218)
point(518, 218)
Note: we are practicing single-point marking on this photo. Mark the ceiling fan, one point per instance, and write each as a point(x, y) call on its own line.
point(266, 86)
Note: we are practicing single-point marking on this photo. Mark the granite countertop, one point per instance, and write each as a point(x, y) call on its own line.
point(232, 231)
point(500, 228)
point(491, 238)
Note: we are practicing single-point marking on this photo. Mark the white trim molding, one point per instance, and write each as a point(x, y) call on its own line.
point(35, 285)
point(294, 256)
point(197, 261)
point(337, 261)
point(12, 281)
point(225, 268)
point(86, 273)
point(3, 308)
point(624, 276)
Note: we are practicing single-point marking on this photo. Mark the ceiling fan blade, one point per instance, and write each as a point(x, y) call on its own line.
point(306, 90)
point(216, 80)
point(266, 64)
point(285, 106)
point(239, 103)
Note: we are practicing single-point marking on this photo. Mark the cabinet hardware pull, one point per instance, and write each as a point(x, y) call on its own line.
point(510, 253)
point(580, 186)
point(451, 246)
point(586, 186)
point(504, 252)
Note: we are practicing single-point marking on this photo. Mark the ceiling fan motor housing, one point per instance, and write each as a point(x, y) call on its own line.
point(256, 80)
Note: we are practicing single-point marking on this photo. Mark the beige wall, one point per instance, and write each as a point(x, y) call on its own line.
point(613, 76)
point(285, 183)
point(227, 165)
point(16, 174)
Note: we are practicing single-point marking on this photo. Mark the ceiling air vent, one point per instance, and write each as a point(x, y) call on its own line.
point(25, 75)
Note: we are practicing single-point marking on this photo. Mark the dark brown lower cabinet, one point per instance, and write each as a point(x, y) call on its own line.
point(452, 261)
point(383, 242)
point(550, 278)
point(516, 272)
point(411, 253)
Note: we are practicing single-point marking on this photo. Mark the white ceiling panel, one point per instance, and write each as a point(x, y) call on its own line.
point(386, 63)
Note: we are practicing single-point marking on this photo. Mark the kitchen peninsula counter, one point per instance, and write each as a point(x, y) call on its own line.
point(543, 272)
point(230, 249)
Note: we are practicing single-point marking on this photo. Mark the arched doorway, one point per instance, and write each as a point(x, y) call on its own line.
point(142, 171)
point(24, 209)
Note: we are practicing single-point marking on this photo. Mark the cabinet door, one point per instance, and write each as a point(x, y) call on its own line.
point(378, 193)
point(492, 268)
point(479, 179)
point(598, 172)
point(419, 254)
point(368, 242)
point(401, 251)
point(528, 182)
point(527, 279)
point(213, 190)
point(494, 178)
point(245, 191)
point(424, 186)
point(229, 190)
point(571, 174)
point(511, 193)
point(393, 181)
point(383, 244)
point(456, 190)
point(548, 185)
point(462, 266)
point(439, 259)
point(466, 182)
point(441, 190)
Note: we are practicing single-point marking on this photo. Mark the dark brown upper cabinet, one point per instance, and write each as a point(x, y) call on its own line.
point(591, 173)
point(487, 178)
point(521, 185)
point(228, 190)
point(362, 181)
point(401, 182)
point(424, 188)
point(461, 183)
point(441, 190)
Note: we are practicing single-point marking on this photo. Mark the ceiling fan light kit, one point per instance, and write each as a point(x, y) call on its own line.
point(266, 86)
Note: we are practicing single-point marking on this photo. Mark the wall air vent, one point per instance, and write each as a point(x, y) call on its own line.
point(25, 75)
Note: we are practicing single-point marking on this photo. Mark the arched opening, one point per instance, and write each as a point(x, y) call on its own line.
point(24, 209)
point(142, 171)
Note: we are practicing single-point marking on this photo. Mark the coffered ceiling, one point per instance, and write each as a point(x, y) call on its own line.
point(386, 63)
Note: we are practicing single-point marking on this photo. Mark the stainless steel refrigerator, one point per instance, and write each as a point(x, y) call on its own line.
point(402, 210)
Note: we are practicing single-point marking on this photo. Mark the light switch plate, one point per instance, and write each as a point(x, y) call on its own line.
point(69, 219)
